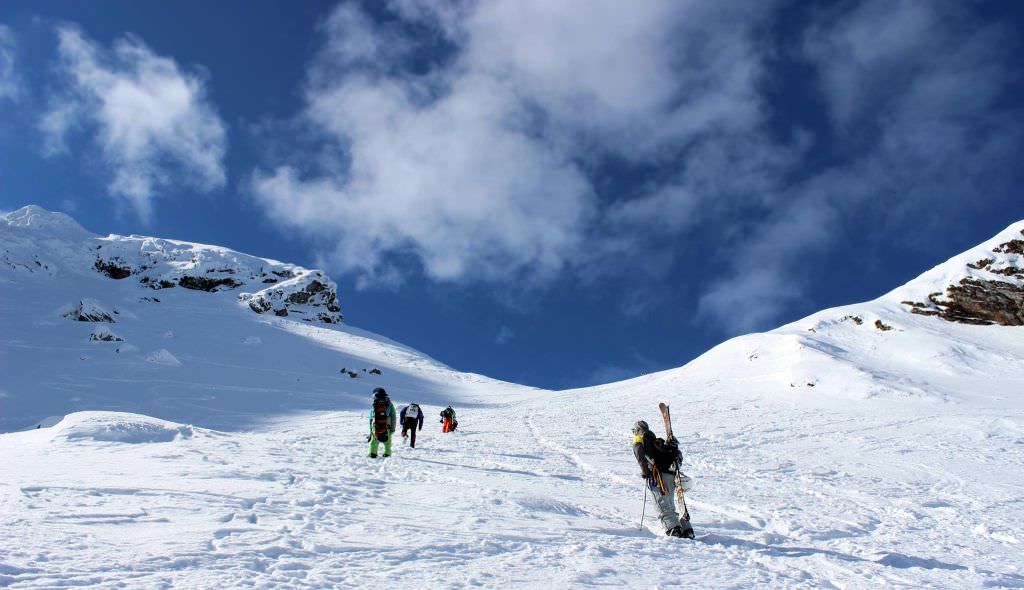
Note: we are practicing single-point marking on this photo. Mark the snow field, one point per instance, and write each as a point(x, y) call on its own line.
point(527, 494)
point(217, 447)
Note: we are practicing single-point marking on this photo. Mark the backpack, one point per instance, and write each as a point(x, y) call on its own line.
point(381, 423)
point(412, 412)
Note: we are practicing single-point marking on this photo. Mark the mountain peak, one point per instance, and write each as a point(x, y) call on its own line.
point(35, 217)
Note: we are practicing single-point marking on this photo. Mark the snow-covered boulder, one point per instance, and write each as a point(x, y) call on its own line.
point(88, 310)
point(103, 334)
point(163, 357)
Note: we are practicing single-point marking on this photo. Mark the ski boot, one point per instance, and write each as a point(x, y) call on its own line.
point(676, 531)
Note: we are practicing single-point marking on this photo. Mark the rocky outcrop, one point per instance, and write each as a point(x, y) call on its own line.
point(103, 334)
point(207, 284)
point(115, 269)
point(284, 289)
point(982, 298)
point(34, 240)
point(311, 295)
point(89, 310)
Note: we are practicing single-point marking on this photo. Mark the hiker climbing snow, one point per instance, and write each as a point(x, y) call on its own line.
point(448, 421)
point(382, 422)
point(659, 460)
point(411, 417)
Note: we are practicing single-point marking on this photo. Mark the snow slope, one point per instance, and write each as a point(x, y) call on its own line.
point(831, 452)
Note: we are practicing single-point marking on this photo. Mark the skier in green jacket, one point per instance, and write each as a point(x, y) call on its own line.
point(383, 421)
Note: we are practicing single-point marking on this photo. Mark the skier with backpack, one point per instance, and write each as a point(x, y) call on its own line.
point(448, 421)
point(411, 416)
point(659, 460)
point(382, 422)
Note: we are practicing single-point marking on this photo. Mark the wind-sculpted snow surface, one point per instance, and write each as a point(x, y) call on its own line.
point(861, 447)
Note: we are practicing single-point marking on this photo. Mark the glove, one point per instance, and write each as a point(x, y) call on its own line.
point(646, 475)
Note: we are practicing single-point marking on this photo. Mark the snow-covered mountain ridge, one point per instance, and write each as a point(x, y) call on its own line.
point(196, 444)
point(187, 332)
point(36, 240)
point(984, 285)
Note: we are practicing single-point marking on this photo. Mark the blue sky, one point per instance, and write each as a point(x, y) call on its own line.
point(553, 193)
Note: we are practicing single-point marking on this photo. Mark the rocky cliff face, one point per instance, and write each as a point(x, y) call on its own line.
point(38, 241)
point(992, 293)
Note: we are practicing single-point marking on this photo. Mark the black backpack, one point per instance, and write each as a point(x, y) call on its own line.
point(381, 421)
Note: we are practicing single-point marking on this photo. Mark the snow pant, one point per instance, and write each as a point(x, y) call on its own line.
point(667, 504)
point(409, 424)
point(446, 426)
point(374, 444)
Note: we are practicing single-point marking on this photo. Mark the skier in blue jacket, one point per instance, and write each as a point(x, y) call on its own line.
point(411, 415)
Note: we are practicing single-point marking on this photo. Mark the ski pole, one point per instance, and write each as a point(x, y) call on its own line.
point(644, 511)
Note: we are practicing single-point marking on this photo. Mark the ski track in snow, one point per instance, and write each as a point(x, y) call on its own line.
point(513, 499)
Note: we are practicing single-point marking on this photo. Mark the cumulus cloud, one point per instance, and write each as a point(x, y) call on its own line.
point(476, 164)
point(10, 82)
point(153, 123)
point(475, 149)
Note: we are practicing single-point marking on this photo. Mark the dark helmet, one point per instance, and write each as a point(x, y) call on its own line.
point(640, 427)
point(379, 393)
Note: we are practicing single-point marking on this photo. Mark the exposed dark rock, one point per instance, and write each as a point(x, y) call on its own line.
point(281, 312)
point(881, 326)
point(979, 301)
point(1011, 247)
point(89, 312)
point(302, 297)
point(206, 284)
point(105, 337)
point(260, 305)
point(375, 371)
point(115, 268)
point(270, 280)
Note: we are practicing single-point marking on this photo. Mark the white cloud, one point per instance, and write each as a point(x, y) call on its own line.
point(10, 81)
point(154, 125)
point(505, 334)
point(912, 90)
point(477, 167)
point(765, 271)
point(478, 153)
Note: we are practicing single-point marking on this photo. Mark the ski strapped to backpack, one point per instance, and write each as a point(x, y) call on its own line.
point(669, 437)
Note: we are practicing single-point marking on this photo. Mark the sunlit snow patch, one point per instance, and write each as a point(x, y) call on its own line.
point(120, 427)
point(163, 357)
